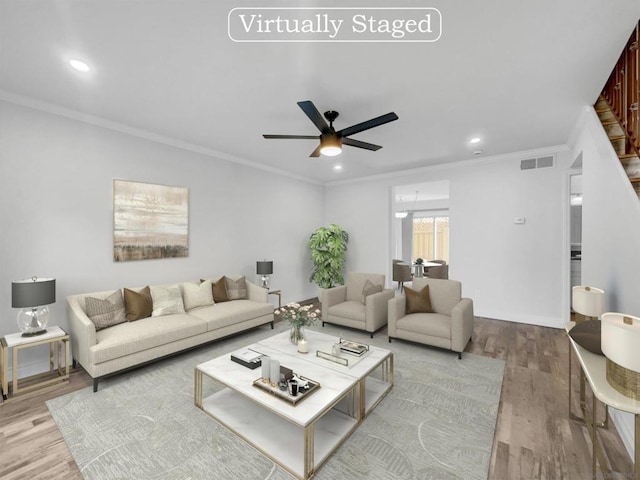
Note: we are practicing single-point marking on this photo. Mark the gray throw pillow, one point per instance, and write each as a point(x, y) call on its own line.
point(369, 289)
point(105, 313)
point(236, 289)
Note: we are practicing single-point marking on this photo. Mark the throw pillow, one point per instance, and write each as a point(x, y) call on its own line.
point(587, 335)
point(138, 304)
point(166, 300)
point(418, 302)
point(106, 313)
point(369, 289)
point(195, 295)
point(236, 289)
point(219, 288)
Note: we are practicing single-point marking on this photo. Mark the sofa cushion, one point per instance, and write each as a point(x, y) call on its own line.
point(418, 302)
point(106, 312)
point(131, 337)
point(369, 289)
point(195, 295)
point(433, 324)
point(236, 289)
point(166, 300)
point(228, 313)
point(138, 304)
point(219, 288)
point(353, 309)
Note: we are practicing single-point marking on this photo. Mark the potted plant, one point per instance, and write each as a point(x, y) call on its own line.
point(328, 247)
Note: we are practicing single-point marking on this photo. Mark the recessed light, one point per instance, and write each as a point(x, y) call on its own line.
point(475, 140)
point(79, 65)
point(337, 167)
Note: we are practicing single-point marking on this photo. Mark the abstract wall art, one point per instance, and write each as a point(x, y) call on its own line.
point(149, 221)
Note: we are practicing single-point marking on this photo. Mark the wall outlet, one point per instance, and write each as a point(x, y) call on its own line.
point(519, 220)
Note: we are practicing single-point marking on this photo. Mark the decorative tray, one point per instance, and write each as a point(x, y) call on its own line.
point(353, 348)
point(284, 394)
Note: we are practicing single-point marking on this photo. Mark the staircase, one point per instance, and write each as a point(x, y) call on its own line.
point(620, 141)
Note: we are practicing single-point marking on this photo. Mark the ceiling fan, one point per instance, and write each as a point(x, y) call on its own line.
point(331, 141)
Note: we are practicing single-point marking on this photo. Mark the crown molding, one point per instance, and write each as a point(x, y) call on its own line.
point(521, 155)
point(94, 120)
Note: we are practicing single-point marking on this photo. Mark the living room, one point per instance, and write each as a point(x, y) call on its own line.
point(62, 147)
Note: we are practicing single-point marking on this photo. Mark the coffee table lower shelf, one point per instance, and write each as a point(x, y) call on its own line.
point(274, 436)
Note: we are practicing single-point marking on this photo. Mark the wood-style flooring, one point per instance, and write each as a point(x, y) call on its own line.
point(534, 438)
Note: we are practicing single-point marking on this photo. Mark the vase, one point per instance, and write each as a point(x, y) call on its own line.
point(297, 333)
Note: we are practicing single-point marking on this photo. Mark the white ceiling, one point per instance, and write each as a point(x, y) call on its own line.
point(514, 73)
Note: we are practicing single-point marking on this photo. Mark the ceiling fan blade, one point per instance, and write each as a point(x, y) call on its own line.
point(312, 112)
point(307, 137)
point(357, 143)
point(374, 122)
point(316, 152)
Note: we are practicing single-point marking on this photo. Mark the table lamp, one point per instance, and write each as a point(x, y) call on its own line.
point(264, 268)
point(620, 339)
point(32, 297)
point(588, 301)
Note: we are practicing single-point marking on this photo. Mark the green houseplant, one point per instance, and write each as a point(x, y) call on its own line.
point(328, 247)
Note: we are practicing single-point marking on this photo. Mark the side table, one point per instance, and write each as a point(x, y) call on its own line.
point(56, 338)
point(279, 294)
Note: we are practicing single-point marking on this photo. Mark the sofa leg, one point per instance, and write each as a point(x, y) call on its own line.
point(95, 385)
point(371, 334)
point(74, 364)
point(389, 339)
point(323, 324)
point(271, 325)
point(459, 355)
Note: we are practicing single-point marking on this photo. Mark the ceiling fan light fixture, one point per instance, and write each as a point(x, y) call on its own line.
point(330, 144)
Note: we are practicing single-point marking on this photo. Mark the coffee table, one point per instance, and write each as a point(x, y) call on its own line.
point(299, 438)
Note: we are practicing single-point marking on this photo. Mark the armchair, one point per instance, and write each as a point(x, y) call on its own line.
point(450, 325)
point(349, 306)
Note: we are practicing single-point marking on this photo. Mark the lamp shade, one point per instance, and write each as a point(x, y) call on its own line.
point(264, 267)
point(33, 292)
point(620, 340)
point(588, 301)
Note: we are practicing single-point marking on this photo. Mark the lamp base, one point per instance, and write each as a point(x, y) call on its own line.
point(625, 381)
point(34, 334)
point(265, 280)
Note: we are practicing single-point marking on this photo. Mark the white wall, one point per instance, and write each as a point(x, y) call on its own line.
point(610, 232)
point(56, 216)
point(512, 272)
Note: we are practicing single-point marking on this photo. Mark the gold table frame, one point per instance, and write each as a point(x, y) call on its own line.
point(356, 408)
point(590, 421)
point(56, 343)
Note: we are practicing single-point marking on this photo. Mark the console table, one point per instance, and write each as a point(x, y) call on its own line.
point(593, 369)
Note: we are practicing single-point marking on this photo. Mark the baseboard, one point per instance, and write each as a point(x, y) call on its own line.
point(523, 318)
point(625, 424)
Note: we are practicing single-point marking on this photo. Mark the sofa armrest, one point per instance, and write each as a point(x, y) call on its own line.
point(376, 309)
point(83, 331)
point(257, 293)
point(461, 324)
point(396, 310)
point(332, 296)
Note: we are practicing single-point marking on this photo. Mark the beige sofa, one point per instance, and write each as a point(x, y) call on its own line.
point(119, 347)
point(450, 327)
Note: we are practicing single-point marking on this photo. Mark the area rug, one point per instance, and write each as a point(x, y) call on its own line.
point(437, 422)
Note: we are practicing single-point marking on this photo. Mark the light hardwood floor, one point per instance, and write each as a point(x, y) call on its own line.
point(534, 438)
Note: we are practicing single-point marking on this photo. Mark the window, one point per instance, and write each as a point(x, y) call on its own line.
point(431, 237)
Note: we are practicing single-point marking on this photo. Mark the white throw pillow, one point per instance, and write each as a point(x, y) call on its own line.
point(195, 295)
point(166, 300)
